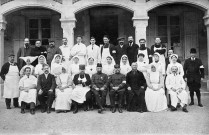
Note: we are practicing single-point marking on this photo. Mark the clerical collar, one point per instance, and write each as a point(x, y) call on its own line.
point(192, 58)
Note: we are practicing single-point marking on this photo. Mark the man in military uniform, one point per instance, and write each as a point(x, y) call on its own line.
point(99, 87)
point(194, 72)
point(117, 83)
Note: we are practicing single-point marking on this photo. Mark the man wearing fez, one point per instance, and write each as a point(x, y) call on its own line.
point(23, 52)
point(136, 85)
point(37, 51)
point(121, 49)
point(81, 93)
point(145, 50)
point(107, 50)
point(99, 87)
point(52, 50)
point(193, 73)
point(46, 86)
point(10, 76)
point(132, 50)
point(117, 83)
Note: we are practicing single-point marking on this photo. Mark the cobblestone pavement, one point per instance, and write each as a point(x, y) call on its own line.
point(194, 122)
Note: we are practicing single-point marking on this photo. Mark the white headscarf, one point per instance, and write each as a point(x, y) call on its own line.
point(56, 68)
point(41, 56)
point(88, 61)
point(39, 66)
point(121, 61)
point(113, 61)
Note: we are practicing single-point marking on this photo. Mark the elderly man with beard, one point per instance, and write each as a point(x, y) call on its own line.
point(145, 50)
point(46, 89)
point(117, 83)
point(136, 85)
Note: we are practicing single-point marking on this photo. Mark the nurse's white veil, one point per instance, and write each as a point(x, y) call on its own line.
point(121, 62)
point(74, 58)
point(88, 61)
point(41, 56)
point(56, 55)
point(113, 61)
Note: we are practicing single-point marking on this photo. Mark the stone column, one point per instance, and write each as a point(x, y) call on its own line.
point(206, 20)
point(2, 28)
point(140, 24)
point(68, 26)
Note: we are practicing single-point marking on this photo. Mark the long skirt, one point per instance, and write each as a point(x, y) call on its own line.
point(28, 97)
point(79, 94)
point(155, 100)
point(63, 100)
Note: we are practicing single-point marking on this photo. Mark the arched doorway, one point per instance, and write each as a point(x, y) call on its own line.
point(181, 27)
point(104, 20)
point(34, 23)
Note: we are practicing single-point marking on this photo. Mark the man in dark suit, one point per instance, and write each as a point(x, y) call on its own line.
point(136, 85)
point(46, 89)
point(121, 49)
point(23, 52)
point(132, 50)
point(37, 51)
point(193, 73)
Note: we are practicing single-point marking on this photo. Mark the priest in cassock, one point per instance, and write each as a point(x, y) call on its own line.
point(121, 49)
point(28, 92)
point(145, 50)
point(136, 85)
point(10, 76)
point(37, 51)
point(79, 50)
point(107, 50)
point(132, 50)
point(81, 93)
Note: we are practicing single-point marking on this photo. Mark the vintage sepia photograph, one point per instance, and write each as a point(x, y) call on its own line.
point(104, 67)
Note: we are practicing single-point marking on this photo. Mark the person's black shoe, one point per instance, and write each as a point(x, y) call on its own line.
point(113, 110)
point(173, 109)
point(75, 111)
point(8, 107)
point(200, 105)
point(192, 103)
point(65, 111)
point(120, 110)
point(100, 111)
point(48, 110)
point(22, 111)
point(85, 108)
point(32, 111)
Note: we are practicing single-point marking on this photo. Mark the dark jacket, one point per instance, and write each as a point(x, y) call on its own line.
point(76, 81)
point(117, 80)
point(160, 51)
point(111, 48)
point(22, 52)
point(46, 84)
point(99, 80)
point(37, 51)
point(120, 52)
point(192, 70)
point(135, 81)
point(5, 70)
point(132, 52)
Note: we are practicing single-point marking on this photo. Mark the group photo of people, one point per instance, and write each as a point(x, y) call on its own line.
point(124, 77)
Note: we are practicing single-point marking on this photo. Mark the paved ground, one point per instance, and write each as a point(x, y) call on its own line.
point(194, 122)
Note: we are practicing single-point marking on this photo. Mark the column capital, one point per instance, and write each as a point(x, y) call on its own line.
point(67, 23)
point(140, 21)
point(2, 25)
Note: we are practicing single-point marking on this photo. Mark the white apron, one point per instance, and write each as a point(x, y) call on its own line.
point(105, 53)
point(146, 59)
point(79, 93)
point(11, 83)
point(29, 96)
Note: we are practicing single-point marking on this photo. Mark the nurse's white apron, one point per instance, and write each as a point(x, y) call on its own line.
point(105, 53)
point(11, 83)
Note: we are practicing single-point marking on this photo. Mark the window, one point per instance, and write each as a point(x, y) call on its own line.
point(169, 30)
point(39, 29)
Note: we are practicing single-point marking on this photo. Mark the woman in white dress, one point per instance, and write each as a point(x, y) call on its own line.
point(28, 60)
point(56, 65)
point(124, 65)
point(109, 67)
point(142, 65)
point(63, 92)
point(155, 94)
point(39, 66)
point(174, 58)
point(74, 68)
point(91, 67)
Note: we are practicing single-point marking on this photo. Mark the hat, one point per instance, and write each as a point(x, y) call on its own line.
point(82, 67)
point(117, 66)
point(141, 54)
point(193, 50)
point(120, 38)
point(157, 54)
point(32, 59)
point(99, 65)
point(11, 54)
point(51, 40)
point(174, 55)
